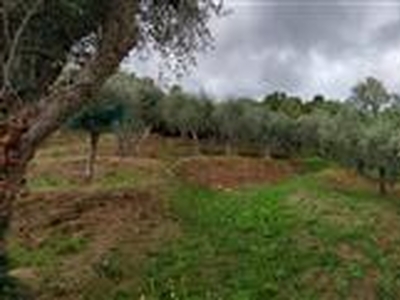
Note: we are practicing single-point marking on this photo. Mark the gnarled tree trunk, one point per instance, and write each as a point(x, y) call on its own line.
point(12, 170)
point(6, 199)
point(19, 143)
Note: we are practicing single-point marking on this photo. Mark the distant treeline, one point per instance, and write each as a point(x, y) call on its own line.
point(361, 132)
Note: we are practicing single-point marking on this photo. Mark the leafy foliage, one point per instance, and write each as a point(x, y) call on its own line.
point(362, 136)
point(38, 38)
point(370, 96)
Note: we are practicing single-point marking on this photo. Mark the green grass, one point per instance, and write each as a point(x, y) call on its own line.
point(300, 239)
point(262, 244)
point(50, 183)
point(110, 180)
point(51, 251)
point(315, 164)
point(124, 178)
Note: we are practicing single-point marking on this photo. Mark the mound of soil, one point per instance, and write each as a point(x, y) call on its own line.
point(83, 212)
point(103, 219)
point(233, 172)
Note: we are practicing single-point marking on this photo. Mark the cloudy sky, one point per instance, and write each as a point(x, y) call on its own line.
point(303, 47)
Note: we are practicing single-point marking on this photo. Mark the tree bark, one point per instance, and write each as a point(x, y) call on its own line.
point(128, 141)
point(7, 197)
point(196, 142)
point(141, 140)
point(382, 181)
point(94, 138)
point(118, 38)
point(123, 144)
point(12, 170)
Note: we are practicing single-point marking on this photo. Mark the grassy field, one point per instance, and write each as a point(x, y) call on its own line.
point(167, 225)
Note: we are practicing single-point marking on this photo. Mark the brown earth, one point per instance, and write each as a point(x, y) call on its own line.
point(232, 172)
point(345, 179)
point(107, 215)
point(80, 212)
point(104, 219)
point(70, 170)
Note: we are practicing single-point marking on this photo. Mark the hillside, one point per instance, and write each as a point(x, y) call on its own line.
point(170, 225)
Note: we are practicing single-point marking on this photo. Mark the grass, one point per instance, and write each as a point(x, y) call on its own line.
point(262, 244)
point(50, 252)
point(315, 164)
point(303, 238)
point(50, 182)
point(111, 179)
point(228, 241)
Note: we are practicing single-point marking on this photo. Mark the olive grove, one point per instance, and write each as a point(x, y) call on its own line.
point(360, 133)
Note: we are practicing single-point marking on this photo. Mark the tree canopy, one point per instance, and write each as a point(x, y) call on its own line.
point(38, 37)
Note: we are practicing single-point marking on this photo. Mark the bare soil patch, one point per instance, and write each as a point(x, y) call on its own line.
point(84, 212)
point(233, 172)
point(349, 253)
point(104, 219)
point(345, 179)
point(366, 288)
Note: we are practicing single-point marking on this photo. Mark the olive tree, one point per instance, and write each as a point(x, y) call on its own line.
point(341, 137)
point(281, 102)
point(56, 55)
point(228, 119)
point(369, 145)
point(381, 143)
point(308, 132)
point(140, 99)
point(281, 136)
point(370, 96)
point(186, 114)
point(95, 119)
point(177, 111)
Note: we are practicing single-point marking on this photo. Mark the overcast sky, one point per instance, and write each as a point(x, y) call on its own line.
point(304, 47)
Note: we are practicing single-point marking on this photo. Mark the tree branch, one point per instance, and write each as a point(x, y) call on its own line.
point(6, 25)
point(16, 41)
point(120, 35)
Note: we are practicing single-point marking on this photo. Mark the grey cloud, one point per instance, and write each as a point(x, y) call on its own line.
point(304, 47)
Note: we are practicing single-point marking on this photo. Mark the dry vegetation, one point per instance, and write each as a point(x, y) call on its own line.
point(168, 225)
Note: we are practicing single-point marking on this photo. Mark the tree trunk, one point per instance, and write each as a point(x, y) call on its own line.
point(141, 140)
point(7, 196)
point(12, 170)
point(196, 141)
point(267, 152)
point(94, 138)
point(228, 149)
point(360, 166)
point(121, 149)
point(119, 36)
point(124, 142)
point(382, 181)
point(5, 215)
